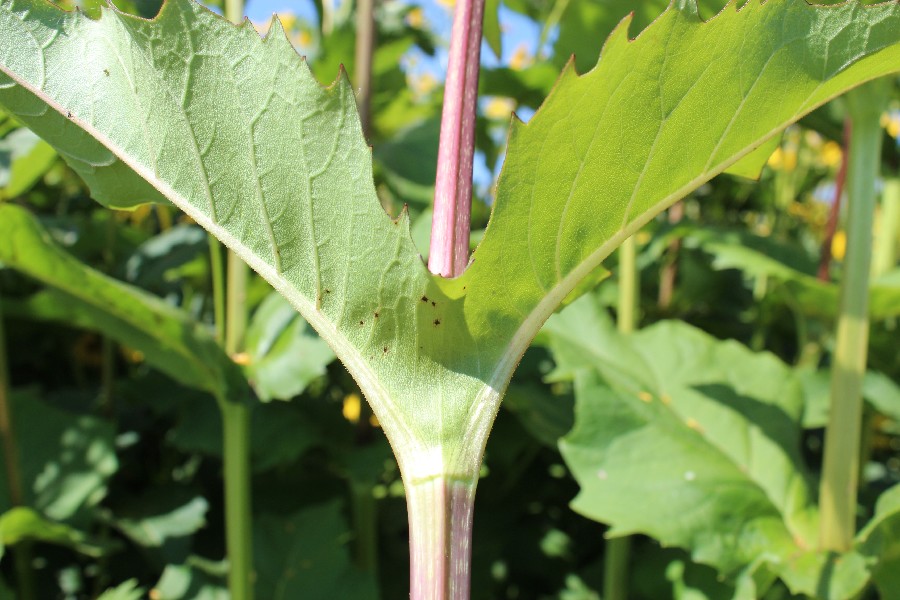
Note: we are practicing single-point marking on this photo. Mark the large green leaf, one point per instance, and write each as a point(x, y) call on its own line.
point(83, 297)
point(235, 131)
point(696, 442)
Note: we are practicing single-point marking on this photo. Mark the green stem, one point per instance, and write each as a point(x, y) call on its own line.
point(218, 286)
point(885, 254)
point(22, 553)
point(629, 287)
point(440, 537)
point(236, 421)
point(236, 309)
point(238, 529)
point(840, 477)
point(618, 550)
point(236, 451)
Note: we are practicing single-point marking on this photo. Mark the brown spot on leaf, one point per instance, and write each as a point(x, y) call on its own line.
point(424, 298)
point(437, 322)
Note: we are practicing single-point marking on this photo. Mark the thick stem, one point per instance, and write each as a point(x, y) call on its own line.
point(365, 44)
point(838, 492)
point(440, 538)
point(449, 252)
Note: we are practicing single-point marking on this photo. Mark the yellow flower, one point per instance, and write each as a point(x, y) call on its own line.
point(891, 122)
point(352, 407)
point(447, 3)
point(520, 58)
point(839, 245)
point(416, 18)
point(499, 108)
point(831, 154)
point(783, 159)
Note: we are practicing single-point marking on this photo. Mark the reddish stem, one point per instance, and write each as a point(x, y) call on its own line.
point(440, 538)
point(449, 252)
point(831, 226)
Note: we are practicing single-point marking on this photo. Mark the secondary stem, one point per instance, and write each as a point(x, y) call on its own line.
point(618, 550)
point(440, 538)
point(449, 252)
point(838, 492)
point(236, 420)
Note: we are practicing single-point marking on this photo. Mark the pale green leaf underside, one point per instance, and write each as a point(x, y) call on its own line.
point(235, 131)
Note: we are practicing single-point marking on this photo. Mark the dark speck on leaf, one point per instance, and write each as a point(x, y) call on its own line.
point(384, 349)
point(69, 115)
point(106, 72)
point(362, 322)
point(424, 298)
point(376, 314)
point(437, 322)
point(433, 303)
point(327, 291)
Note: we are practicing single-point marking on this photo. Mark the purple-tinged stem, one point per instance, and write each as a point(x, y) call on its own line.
point(440, 538)
point(449, 252)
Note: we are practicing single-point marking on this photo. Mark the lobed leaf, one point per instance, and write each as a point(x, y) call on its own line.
point(235, 131)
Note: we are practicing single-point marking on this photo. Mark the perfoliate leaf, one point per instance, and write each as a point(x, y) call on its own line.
point(235, 131)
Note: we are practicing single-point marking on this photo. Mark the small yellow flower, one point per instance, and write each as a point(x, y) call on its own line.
point(839, 245)
point(831, 154)
point(891, 122)
point(447, 3)
point(416, 18)
point(352, 407)
point(520, 58)
point(499, 108)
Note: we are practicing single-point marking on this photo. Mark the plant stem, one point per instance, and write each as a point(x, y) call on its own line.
point(365, 44)
point(22, 552)
point(236, 420)
point(618, 550)
point(838, 492)
point(238, 530)
point(885, 254)
point(449, 252)
point(217, 271)
point(629, 287)
point(440, 537)
point(831, 225)
point(669, 272)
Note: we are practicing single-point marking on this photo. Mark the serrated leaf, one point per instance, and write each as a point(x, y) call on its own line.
point(235, 131)
point(83, 297)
